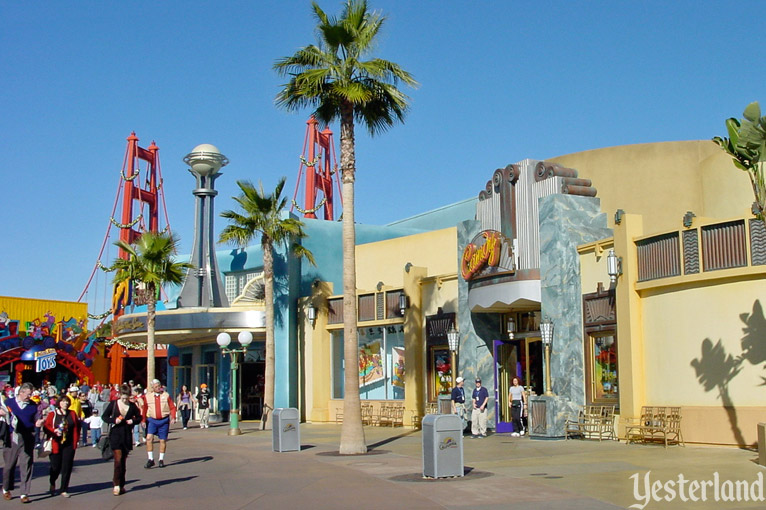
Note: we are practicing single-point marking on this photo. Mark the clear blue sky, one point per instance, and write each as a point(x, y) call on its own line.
point(500, 82)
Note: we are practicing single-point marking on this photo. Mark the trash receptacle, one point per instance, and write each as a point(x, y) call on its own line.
point(442, 445)
point(285, 430)
point(445, 404)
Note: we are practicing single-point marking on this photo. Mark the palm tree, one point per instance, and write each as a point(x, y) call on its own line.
point(261, 214)
point(150, 261)
point(333, 78)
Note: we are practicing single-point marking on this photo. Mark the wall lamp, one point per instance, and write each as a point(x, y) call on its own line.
point(613, 266)
point(312, 314)
point(404, 303)
point(510, 327)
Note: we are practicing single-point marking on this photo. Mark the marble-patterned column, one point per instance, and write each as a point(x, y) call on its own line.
point(566, 221)
point(477, 331)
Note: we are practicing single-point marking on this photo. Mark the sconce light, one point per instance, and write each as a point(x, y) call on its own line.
point(312, 315)
point(546, 331)
point(613, 266)
point(510, 327)
point(453, 338)
point(404, 303)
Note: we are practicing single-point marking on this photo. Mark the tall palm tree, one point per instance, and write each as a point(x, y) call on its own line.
point(333, 78)
point(261, 214)
point(150, 261)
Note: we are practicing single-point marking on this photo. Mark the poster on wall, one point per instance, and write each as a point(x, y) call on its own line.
point(440, 380)
point(397, 378)
point(370, 363)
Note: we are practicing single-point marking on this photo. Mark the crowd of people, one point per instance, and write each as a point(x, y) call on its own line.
point(53, 422)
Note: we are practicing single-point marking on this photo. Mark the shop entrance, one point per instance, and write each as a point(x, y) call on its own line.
point(58, 376)
point(252, 380)
point(522, 357)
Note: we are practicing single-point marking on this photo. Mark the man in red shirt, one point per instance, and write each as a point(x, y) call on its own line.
point(159, 411)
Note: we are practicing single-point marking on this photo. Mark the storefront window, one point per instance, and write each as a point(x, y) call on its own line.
point(381, 363)
point(603, 363)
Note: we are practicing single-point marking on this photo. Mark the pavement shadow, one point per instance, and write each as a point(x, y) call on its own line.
point(161, 483)
point(391, 439)
point(87, 488)
point(191, 459)
point(307, 446)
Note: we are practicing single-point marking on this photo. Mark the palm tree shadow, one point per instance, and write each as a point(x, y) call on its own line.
point(754, 341)
point(715, 368)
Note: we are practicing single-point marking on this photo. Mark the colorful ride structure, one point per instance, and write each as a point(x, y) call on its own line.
point(319, 164)
point(33, 345)
point(142, 201)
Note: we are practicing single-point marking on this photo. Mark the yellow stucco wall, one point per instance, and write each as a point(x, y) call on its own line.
point(682, 341)
point(694, 337)
point(430, 282)
point(661, 181)
point(385, 260)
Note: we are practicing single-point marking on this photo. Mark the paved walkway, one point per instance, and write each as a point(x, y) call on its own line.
point(209, 469)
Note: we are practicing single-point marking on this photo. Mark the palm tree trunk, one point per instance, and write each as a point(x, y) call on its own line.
point(151, 314)
point(268, 287)
point(352, 433)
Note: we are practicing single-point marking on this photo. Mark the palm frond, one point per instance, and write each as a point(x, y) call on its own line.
point(325, 75)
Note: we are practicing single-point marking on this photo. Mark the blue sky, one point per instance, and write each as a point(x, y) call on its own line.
point(500, 82)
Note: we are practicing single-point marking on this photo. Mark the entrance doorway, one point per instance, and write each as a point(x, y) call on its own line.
point(521, 357)
point(252, 380)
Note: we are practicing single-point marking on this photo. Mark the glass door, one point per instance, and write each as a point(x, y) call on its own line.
point(507, 365)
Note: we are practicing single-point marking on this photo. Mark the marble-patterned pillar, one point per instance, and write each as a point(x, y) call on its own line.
point(566, 221)
point(477, 332)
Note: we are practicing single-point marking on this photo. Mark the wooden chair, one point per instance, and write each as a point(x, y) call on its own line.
point(397, 414)
point(366, 414)
point(658, 425)
point(384, 415)
point(592, 421)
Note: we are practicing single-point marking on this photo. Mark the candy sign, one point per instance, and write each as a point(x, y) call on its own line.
point(489, 252)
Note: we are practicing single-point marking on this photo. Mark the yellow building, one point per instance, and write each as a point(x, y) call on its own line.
point(682, 325)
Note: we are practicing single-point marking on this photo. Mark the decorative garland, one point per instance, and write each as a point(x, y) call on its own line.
point(122, 173)
point(104, 268)
point(313, 163)
point(100, 316)
point(127, 345)
point(126, 225)
point(315, 209)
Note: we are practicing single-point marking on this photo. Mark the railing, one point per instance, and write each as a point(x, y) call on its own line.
point(712, 247)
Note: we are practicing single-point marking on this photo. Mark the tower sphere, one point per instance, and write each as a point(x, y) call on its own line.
point(205, 159)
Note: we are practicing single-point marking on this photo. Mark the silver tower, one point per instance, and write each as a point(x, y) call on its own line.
point(203, 286)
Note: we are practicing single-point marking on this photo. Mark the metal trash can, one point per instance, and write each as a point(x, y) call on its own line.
point(442, 445)
point(445, 404)
point(285, 430)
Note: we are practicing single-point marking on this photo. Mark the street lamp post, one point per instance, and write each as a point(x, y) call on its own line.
point(453, 339)
point(546, 331)
point(223, 340)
